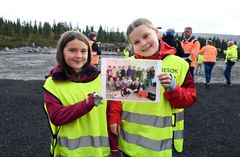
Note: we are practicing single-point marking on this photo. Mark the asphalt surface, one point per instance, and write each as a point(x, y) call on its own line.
point(211, 125)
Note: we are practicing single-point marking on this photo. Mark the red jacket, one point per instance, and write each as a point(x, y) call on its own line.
point(181, 97)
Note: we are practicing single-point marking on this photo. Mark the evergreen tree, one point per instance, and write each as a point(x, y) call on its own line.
point(46, 31)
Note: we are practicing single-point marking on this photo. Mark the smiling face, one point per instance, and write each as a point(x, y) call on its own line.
point(145, 40)
point(76, 54)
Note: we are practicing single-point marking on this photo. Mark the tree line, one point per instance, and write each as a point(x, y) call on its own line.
point(18, 34)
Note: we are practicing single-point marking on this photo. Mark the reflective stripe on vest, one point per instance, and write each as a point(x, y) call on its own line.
point(151, 120)
point(73, 138)
point(154, 145)
point(179, 116)
point(178, 134)
point(71, 144)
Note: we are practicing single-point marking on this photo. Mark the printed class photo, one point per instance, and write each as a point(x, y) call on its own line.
point(130, 80)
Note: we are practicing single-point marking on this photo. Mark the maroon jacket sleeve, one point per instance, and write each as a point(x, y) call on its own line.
point(184, 96)
point(60, 115)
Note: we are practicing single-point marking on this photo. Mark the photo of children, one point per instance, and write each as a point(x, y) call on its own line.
point(130, 80)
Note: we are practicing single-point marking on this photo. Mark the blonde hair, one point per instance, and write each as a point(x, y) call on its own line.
point(138, 22)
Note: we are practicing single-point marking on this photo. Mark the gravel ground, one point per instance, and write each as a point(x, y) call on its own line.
point(30, 66)
point(211, 125)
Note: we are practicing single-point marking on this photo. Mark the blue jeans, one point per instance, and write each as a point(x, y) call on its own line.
point(208, 66)
point(227, 71)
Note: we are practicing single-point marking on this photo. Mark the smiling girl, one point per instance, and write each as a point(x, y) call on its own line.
point(152, 128)
point(76, 113)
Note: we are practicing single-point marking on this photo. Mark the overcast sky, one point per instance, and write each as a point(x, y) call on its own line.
point(204, 16)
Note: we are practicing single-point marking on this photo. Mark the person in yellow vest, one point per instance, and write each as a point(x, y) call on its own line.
point(127, 51)
point(198, 70)
point(147, 129)
point(209, 53)
point(75, 110)
point(191, 46)
point(95, 50)
point(230, 59)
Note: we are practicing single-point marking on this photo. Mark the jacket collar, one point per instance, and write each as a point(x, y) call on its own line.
point(58, 74)
point(165, 50)
point(189, 39)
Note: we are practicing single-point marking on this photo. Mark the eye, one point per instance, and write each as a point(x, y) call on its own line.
point(136, 42)
point(84, 51)
point(145, 36)
point(72, 50)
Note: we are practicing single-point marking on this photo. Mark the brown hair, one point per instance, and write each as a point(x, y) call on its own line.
point(64, 40)
point(139, 22)
point(209, 42)
point(188, 28)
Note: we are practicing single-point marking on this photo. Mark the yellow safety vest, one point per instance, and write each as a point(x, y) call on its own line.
point(231, 53)
point(85, 136)
point(126, 53)
point(177, 114)
point(147, 127)
point(199, 59)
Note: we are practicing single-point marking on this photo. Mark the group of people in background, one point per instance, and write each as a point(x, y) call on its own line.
point(83, 124)
point(190, 50)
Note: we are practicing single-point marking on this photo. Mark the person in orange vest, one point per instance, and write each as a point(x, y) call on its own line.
point(191, 46)
point(209, 53)
point(95, 50)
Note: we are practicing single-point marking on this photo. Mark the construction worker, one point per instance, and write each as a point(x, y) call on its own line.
point(127, 51)
point(95, 50)
point(191, 46)
point(230, 60)
point(198, 70)
point(209, 53)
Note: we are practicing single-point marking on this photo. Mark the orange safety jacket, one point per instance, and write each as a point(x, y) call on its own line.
point(191, 47)
point(209, 53)
point(94, 56)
